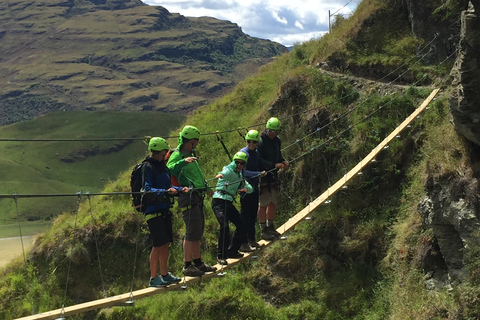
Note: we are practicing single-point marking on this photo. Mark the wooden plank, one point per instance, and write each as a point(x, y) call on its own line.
point(121, 299)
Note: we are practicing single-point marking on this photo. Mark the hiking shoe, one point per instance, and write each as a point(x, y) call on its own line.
point(266, 235)
point(157, 282)
point(235, 255)
point(245, 247)
point(222, 262)
point(253, 244)
point(193, 271)
point(170, 278)
point(206, 268)
point(273, 232)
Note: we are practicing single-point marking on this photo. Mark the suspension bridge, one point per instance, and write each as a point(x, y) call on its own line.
point(129, 298)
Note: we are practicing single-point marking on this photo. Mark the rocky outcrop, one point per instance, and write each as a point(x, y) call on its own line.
point(465, 97)
point(451, 209)
point(439, 29)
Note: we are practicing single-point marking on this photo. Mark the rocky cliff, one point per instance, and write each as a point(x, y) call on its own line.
point(451, 206)
point(465, 98)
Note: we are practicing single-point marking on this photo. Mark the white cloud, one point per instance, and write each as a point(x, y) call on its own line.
point(299, 25)
point(286, 21)
point(281, 20)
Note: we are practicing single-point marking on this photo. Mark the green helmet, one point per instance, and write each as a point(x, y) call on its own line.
point(252, 135)
point(240, 156)
point(273, 124)
point(190, 132)
point(158, 144)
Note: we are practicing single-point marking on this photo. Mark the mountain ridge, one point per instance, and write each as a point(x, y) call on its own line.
point(120, 55)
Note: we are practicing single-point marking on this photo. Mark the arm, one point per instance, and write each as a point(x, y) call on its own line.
point(147, 174)
point(264, 163)
point(176, 163)
point(246, 187)
point(250, 174)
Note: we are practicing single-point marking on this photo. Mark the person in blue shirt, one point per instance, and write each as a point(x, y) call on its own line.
point(249, 202)
point(157, 185)
point(230, 182)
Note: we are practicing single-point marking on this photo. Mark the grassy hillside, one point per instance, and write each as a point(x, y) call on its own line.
point(117, 55)
point(359, 257)
point(50, 167)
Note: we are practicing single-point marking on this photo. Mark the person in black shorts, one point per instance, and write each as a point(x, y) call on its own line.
point(157, 185)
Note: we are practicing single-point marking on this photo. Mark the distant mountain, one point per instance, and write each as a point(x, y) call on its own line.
point(117, 55)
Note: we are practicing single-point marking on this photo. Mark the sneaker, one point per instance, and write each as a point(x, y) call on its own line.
point(206, 268)
point(235, 255)
point(253, 244)
point(192, 271)
point(222, 262)
point(157, 282)
point(245, 247)
point(170, 278)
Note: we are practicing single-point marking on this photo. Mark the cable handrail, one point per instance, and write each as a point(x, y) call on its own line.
point(231, 130)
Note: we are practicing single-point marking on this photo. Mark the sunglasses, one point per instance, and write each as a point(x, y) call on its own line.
point(252, 141)
point(273, 131)
point(239, 162)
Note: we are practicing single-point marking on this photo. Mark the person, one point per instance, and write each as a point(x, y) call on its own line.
point(230, 181)
point(269, 158)
point(156, 183)
point(184, 167)
point(249, 202)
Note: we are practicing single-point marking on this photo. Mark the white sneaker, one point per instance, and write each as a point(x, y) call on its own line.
point(246, 248)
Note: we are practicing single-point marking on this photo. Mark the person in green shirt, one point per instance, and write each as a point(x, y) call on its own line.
point(230, 182)
point(183, 165)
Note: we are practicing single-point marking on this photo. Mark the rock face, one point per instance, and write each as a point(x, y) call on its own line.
point(450, 208)
point(464, 101)
point(439, 28)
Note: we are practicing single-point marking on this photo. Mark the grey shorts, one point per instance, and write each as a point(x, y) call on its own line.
point(268, 196)
point(193, 216)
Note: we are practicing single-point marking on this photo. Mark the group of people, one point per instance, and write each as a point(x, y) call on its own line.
point(252, 173)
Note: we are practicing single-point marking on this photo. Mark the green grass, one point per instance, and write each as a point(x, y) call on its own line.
point(37, 167)
point(28, 228)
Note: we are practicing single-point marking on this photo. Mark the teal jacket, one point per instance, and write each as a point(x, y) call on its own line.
point(231, 182)
point(187, 174)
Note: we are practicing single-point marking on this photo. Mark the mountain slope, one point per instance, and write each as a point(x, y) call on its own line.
point(117, 55)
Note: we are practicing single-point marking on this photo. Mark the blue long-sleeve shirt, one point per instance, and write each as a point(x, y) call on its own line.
point(159, 185)
point(252, 169)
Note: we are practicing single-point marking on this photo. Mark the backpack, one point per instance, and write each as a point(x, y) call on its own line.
point(136, 185)
point(173, 179)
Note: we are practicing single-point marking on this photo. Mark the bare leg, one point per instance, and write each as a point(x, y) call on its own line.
point(191, 248)
point(271, 210)
point(159, 254)
point(262, 214)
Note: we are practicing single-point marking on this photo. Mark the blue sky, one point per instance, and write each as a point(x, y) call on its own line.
point(285, 21)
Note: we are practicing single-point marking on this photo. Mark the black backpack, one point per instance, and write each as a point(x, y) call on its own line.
point(136, 185)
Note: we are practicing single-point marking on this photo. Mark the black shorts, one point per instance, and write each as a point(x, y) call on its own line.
point(161, 229)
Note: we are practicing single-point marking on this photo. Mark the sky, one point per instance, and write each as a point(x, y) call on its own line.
point(288, 22)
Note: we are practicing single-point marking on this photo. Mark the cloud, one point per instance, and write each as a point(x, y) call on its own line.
point(286, 21)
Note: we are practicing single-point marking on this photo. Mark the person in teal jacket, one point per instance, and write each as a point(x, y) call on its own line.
point(230, 182)
point(184, 167)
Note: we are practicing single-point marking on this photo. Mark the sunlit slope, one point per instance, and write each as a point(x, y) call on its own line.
point(46, 167)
